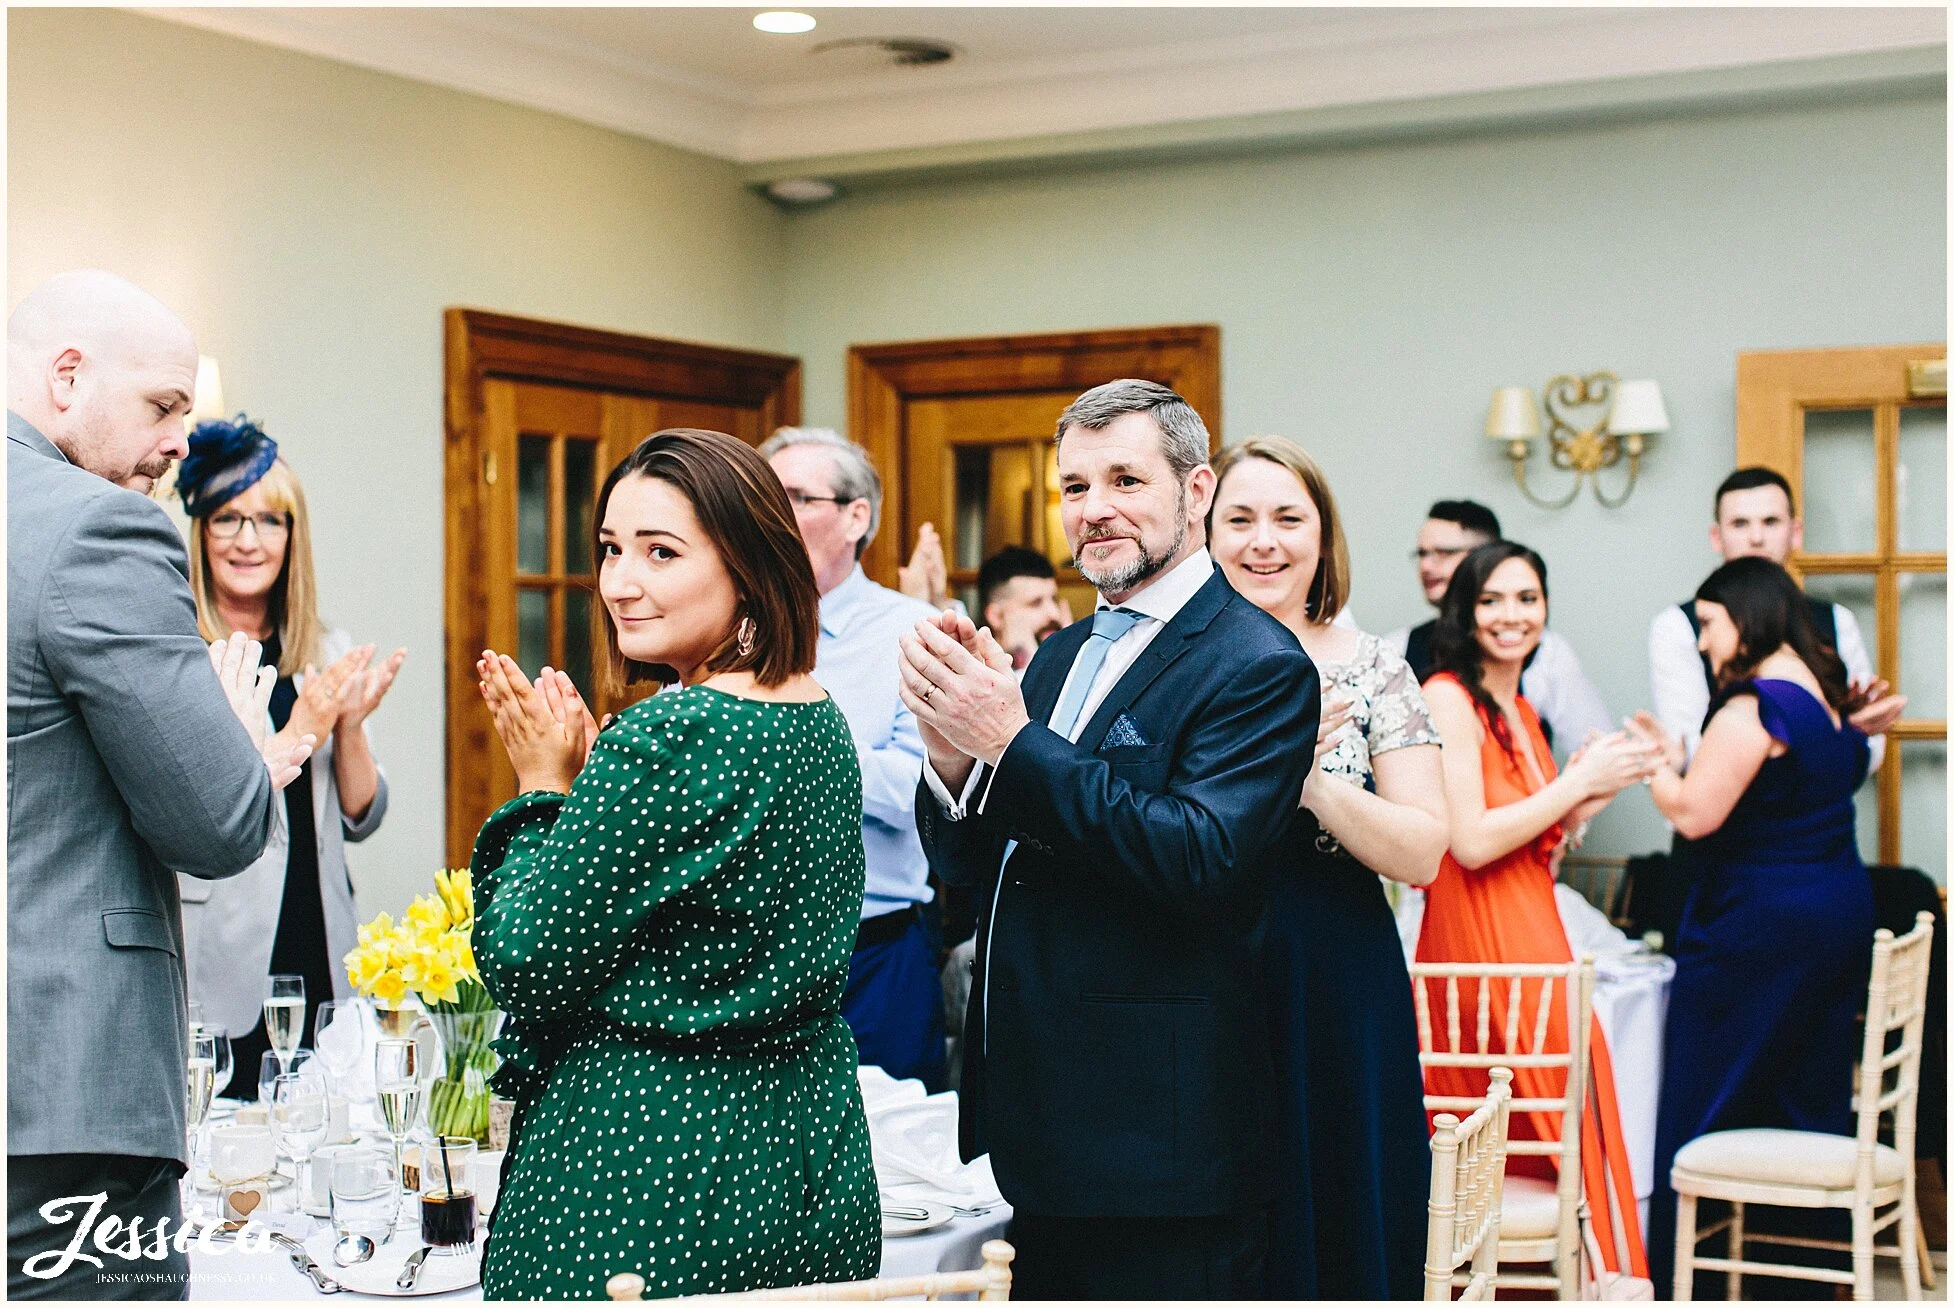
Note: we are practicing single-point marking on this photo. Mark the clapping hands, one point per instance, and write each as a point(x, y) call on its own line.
point(1604, 765)
point(362, 692)
point(545, 727)
point(1644, 727)
point(248, 687)
point(959, 683)
point(926, 576)
point(1871, 707)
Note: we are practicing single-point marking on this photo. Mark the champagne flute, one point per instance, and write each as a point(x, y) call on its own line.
point(397, 1080)
point(285, 1016)
point(298, 1120)
point(199, 1082)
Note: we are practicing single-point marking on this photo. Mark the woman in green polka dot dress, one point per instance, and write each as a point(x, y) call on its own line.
point(666, 912)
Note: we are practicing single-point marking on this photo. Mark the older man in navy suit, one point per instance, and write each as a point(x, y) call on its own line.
point(1115, 817)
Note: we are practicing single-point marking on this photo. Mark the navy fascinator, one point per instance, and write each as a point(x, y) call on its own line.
point(225, 460)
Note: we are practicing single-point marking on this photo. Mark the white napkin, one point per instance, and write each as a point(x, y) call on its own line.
point(913, 1138)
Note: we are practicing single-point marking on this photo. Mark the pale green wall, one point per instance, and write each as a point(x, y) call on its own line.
point(1369, 299)
point(310, 221)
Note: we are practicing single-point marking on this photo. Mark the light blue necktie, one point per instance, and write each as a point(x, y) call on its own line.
point(1108, 625)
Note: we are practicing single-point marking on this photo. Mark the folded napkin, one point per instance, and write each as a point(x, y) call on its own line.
point(913, 1139)
point(347, 1041)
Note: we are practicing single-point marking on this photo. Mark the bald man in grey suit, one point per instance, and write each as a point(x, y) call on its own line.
point(127, 760)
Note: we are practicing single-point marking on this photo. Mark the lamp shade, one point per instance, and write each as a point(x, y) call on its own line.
point(1513, 414)
point(209, 400)
point(1637, 410)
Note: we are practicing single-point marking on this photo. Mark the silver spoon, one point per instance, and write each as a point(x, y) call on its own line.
point(352, 1249)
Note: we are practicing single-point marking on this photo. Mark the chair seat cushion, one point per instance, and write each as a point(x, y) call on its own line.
point(1530, 1209)
point(1774, 1157)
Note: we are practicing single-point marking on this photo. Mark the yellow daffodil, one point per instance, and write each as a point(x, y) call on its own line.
point(378, 929)
point(433, 978)
point(390, 988)
point(428, 913)
point(363, 966)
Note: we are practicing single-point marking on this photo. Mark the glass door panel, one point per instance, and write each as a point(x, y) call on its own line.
point(579, 498)
point(1921, 479)
point(1923, 806)
point(1840, 482)
point(533, 505)
point(1923, 643)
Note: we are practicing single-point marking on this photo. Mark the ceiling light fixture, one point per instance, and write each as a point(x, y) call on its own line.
point(784, 22)
point(802, 190)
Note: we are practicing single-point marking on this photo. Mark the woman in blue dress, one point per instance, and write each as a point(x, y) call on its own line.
point(1349, 1213)
point(1776, 938)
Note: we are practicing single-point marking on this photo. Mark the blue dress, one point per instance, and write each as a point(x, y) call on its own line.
point(1772, 955)
point(1349, 1214)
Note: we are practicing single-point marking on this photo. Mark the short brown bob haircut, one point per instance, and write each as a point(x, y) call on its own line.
point(1329, 589)
point(744, 511)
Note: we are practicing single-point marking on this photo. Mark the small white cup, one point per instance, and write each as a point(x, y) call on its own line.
point(485, 1174)
point(317, 1201)
point(339, 1120)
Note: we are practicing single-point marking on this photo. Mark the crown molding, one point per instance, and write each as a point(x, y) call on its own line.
point(1375, 58)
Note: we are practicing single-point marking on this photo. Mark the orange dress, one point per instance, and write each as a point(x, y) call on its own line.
point(1505, 913)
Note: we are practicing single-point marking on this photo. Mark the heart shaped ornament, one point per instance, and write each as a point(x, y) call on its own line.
point(242, 1200)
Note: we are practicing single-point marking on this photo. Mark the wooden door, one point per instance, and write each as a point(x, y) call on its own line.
point(1861, 434)
point(538, 415)
point(962, 431)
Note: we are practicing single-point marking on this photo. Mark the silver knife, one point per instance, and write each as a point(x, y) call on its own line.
point(412, 1271)
point(303, 1261)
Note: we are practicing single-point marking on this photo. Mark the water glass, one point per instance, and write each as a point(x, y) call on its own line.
point(298, 1119)
point(340, 1051)
point(365, 1193)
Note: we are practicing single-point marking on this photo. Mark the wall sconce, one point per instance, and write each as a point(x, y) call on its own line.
point(208, 402)
point(1633, 412)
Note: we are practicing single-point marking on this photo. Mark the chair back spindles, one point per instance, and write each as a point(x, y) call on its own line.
point(1518, 1001)
point(1467, 1190)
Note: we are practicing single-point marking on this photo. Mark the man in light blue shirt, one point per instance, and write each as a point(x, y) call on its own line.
point(893, 1001)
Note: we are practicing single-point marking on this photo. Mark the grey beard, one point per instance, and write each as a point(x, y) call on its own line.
point(1143, 567)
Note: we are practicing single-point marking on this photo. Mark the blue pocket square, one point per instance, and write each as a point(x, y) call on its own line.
point(1125, 731)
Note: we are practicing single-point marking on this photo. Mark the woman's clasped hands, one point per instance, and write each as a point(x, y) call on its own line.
point(545, 726)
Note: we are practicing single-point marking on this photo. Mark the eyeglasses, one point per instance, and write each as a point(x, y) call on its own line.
point(802, 499)
point(1419, 556)
point(269, 526)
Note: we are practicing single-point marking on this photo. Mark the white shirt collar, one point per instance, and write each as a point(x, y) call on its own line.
point(1171, 591)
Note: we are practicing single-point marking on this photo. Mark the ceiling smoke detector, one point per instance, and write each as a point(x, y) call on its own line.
point(901, 51)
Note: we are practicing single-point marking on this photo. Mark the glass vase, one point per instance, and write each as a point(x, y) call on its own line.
point(458, 1102)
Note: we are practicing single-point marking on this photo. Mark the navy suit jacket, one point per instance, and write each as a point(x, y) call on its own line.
point(1116, 1050)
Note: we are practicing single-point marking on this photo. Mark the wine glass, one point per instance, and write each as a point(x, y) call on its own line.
point(199, 1083)
point(298, 1120)
point(397, 1079)
point(284, 1015)
point(341, 1051)
point(269, 1071)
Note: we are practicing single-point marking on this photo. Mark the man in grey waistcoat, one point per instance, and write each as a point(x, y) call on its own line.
point(127, 761)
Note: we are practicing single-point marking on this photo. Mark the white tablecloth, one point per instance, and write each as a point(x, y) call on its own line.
point(1631, 999)
point(913, 1136)
point(952, 1248)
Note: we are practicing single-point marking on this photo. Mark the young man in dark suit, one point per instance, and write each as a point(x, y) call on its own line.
point(1114, 816)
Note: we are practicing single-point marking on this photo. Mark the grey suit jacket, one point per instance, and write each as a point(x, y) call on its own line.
point(124, 761)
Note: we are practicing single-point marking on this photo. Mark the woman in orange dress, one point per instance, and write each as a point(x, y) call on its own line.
point(1510, 815)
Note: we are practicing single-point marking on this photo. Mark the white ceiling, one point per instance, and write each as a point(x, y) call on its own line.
point(703, 78)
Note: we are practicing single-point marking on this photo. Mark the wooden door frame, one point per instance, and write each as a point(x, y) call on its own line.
point(883, 378)
point(480, 346)
point(1774, 390)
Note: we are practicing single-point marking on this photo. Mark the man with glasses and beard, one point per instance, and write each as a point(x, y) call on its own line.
point(1115, 816)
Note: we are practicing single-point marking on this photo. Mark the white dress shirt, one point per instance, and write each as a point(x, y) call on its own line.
point(1556, 685)
point(1680, 692)
point(1156, 605)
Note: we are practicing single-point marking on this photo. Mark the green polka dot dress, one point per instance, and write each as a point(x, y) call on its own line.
point(671, 941)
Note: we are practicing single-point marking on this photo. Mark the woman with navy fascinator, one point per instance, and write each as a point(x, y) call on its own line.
point(292, 911)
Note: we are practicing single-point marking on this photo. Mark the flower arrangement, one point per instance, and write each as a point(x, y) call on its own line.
point(429, 953)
